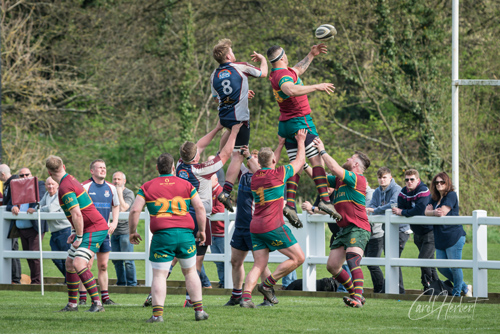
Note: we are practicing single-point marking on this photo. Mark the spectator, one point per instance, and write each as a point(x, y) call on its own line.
point(385, 195)
point(412, 201)
point(449, 239)
point(6, 177)
point(28, 230)
point(120, 241)
point(60, 229)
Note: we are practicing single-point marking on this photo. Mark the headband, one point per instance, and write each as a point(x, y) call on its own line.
point(278, 57)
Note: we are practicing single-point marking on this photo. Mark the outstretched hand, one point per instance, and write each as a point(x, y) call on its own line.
point(318, 143)
point(325, 87)
point(319, 48)
point(257, 57)
point(301, 135)
point(251, 94)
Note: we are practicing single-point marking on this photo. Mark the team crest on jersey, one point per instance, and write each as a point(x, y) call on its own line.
point(224, 74)
point(191, 249)
point(353, 241)
point(106, 193)
point(97, 245)
point(183, 174)
point(277, 243)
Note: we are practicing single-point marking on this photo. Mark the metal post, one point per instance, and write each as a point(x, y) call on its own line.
point(454, 97)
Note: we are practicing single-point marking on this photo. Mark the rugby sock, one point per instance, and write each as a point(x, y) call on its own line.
point(353, 261)
point(198, 306)
point(343, 278)
point(83, 294)
point(291, 190)
point(228, 187)
point(88, 281)
point(157, 310)
point(247, 295)
point(270, 281)
point(236, 293)
point(104, 295)
point(72, 282)
point(319, 177)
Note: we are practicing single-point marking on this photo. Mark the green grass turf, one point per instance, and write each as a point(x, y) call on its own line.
point(411, 276)
point(29, 312)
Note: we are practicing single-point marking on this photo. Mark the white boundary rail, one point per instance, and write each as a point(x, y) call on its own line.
point(312, 240)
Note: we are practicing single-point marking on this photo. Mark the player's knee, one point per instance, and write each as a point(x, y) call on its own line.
point(236, 263)
point(103, 266)
point(353, 260)
point(300, 259)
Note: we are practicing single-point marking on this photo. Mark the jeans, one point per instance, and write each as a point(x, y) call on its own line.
point(286, 280)
point(16, 264)
point(58, 242)
point(205, 281)
point(30, 241)
point(374, 249)
point(125, 270)
point(425, 245)
point(453, 274)
point(217, 247)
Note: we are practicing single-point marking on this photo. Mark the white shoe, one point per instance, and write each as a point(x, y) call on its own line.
point(469, 292)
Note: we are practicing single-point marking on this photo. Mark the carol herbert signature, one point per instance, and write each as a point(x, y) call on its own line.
point(448, 307)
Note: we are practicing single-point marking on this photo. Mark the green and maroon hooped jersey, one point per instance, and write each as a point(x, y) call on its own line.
point(71, 193)
point(268, 188)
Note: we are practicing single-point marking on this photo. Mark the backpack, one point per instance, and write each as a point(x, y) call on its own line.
point(437, 287)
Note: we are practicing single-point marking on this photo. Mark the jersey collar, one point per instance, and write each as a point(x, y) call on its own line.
point(265, 168)
point(165, 175)
point(276, 69)
point(63, 177)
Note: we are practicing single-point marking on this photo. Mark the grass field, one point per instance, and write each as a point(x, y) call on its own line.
point(28, 312)
point(411, 276)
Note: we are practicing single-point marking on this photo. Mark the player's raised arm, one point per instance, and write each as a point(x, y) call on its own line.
point(279, 148)
point(263, 63)
point(252, 163)
point(226, 151)
point(291, 89)
point(133, 219)
point(299, 161)
point(333, 165)
point(302, 65)
point(205, 140)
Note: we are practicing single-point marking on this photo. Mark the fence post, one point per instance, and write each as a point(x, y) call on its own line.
point(479, 253)
point(5, 245)
point(147, 246)
point(308, 270)
point(228, 268)
point(391, 252)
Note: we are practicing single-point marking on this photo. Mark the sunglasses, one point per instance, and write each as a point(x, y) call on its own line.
point(440, 182)
point(23, 175)
point(411, 179)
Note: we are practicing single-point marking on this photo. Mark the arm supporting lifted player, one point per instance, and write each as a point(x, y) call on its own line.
point(290, 89)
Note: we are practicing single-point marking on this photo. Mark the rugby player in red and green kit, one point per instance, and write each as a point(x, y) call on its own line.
point(90, 230)
point(350, 242)
point(267, 228)
point(168, 199)
point(291, 95)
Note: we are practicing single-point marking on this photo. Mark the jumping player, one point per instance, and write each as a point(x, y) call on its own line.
point(268, 229)
point(90, 230)
point(350, 242)
point(169, 200)
point(230, 87)
point(291, 95)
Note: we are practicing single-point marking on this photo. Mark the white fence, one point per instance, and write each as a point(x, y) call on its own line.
point(312, 240)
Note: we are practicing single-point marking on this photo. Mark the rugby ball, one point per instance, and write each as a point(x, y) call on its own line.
point(325, 32)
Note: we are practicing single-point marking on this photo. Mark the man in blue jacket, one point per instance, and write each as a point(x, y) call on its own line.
point(412, 201)
point(385, 195)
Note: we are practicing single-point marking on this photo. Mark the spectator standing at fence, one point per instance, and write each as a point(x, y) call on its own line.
point(6, 177)
point(60, 229)
point(449, 239)
point(90, 230)
point(120, 242)
point(350, 196)
point(385, 195)
point(412, 201)
point(28, 231)
point(169, 199)
point(105, 199)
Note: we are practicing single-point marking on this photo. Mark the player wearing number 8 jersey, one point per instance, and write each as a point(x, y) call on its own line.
point(268, 229)
point(168, 199)
point(229, 84)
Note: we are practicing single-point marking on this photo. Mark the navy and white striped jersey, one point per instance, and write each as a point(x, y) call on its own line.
point(230, 85)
